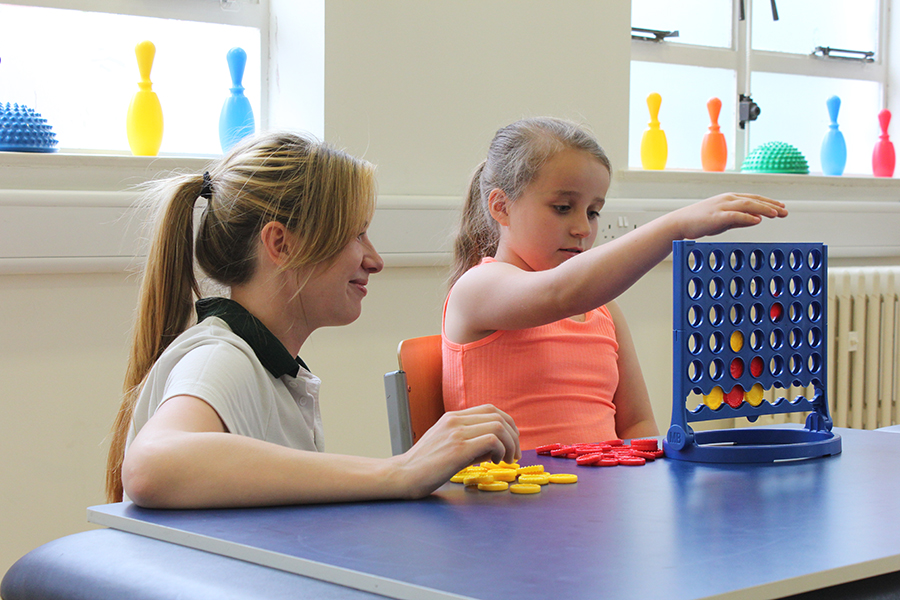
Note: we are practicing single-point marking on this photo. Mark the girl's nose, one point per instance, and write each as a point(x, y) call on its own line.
point(581, 228)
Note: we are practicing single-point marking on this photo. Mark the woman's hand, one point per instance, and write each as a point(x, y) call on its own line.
point(457, 440)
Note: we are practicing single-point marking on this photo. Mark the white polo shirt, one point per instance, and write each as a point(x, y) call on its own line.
point(237, 366)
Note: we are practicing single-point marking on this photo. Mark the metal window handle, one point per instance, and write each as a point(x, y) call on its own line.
point(742, 16)
point(828, 52)
point(655, 35)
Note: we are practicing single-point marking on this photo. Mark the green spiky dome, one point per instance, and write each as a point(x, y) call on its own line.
point(775, 157)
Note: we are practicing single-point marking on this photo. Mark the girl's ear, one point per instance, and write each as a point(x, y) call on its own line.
point(276, 242)
point(498, 205)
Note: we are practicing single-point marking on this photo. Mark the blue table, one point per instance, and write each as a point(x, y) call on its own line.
point(669, 529)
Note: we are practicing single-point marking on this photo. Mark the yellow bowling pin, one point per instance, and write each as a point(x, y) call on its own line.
point(654, 148)
point(145, 119)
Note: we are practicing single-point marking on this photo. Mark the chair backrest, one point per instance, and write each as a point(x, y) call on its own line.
point(420, 358)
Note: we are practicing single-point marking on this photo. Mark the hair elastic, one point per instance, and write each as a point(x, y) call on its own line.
point(206, 191)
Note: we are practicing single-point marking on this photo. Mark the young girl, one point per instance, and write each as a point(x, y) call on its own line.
point(223, 413)
point(530, 324)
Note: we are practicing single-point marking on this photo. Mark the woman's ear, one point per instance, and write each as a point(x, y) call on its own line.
point(498, 205)
point(276, 242)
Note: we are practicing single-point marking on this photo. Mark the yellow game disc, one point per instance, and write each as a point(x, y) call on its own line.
point(530, 469)
point(715, 398)
point(493, 486)
point(478, 478)
point(563, 478)
point(505, 465)
point(538, 478)
point(458, 478)
point(524, 488)
point(737, 341)
point(503, 474)
point(755, 395)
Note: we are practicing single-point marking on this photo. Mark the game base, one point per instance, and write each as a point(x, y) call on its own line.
point(753, 445)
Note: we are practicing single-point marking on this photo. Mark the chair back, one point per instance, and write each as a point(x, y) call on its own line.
point(420, 358)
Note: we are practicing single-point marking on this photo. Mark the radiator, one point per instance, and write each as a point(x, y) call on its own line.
point(864, 356)
point(863, 368)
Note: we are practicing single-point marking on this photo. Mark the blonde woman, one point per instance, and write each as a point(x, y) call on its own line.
point(223, 412)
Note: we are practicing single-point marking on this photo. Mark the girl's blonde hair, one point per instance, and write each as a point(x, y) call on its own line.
point(514, 158)
point(322, 195)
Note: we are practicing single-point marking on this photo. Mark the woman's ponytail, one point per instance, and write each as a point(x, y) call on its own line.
point(165, 306)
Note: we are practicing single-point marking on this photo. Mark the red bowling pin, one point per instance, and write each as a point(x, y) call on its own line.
point(883, 156)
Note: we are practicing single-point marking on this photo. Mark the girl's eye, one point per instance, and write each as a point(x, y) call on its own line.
point(594, 214)
point(561, 208)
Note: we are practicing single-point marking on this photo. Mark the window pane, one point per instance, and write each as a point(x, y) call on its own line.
point(804, 24)
point(698, 22)
point(82, 73)
point(683, 114)
point(803, 120)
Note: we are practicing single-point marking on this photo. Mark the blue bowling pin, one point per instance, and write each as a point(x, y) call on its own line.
point(236, 119)
point(834, 149)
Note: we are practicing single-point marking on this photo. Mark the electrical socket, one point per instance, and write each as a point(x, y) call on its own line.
point(616, 223)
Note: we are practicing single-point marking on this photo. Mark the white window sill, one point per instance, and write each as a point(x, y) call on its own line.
point(74, 213)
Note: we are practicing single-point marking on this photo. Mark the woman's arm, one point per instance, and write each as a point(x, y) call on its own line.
point(184, 458)
point(634, 414)
point(501, 296)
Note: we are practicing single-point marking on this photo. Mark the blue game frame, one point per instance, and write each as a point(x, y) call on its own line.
point(749, 317)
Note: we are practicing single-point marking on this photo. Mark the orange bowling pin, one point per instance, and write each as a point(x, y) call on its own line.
point(714, 150)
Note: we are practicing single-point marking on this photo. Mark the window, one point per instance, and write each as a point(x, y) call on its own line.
point(789, 57)
point(78, 68)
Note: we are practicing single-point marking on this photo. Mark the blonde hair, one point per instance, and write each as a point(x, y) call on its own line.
point(322, 195)
point(515, 156)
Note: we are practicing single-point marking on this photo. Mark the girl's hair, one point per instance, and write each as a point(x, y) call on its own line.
point(322, 195)
point(514, 158)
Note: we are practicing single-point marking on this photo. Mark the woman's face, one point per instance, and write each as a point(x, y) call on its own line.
point(334, 292)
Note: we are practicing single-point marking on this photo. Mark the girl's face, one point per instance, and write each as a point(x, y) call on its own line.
point(333, 293)
point(556, 217)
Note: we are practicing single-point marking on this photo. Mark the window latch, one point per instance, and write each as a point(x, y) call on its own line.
point(651, 35)
point(743, 17)
point(748, 110)
point(828, 52)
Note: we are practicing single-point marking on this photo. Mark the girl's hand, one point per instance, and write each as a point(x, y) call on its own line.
point(725, 211)
point(457, 440)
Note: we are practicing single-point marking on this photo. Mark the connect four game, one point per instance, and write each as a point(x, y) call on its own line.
point(749, 318)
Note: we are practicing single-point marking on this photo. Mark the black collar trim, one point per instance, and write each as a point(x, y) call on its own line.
point(268, 349)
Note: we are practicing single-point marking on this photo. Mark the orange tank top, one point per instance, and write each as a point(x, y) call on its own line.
point(557, 381)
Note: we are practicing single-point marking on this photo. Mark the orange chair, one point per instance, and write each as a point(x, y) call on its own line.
point(414, 398)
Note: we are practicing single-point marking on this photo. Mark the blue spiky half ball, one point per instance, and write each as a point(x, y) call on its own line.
point(24, 130)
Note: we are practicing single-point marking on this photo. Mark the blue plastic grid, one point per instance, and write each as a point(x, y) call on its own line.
point(747, 318)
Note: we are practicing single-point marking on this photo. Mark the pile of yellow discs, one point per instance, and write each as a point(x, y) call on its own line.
point(499, 477)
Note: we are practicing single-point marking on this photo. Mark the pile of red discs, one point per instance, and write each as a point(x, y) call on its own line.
point(606, 454)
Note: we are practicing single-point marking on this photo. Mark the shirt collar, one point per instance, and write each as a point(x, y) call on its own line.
point(268, 349)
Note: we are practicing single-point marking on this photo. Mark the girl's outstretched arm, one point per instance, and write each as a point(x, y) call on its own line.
point(634, 414)
point(501, 296)
point(184, 458)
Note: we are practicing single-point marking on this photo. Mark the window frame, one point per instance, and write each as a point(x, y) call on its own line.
point(744, 60)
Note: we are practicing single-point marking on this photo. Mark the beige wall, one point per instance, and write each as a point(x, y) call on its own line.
point(62, 357)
